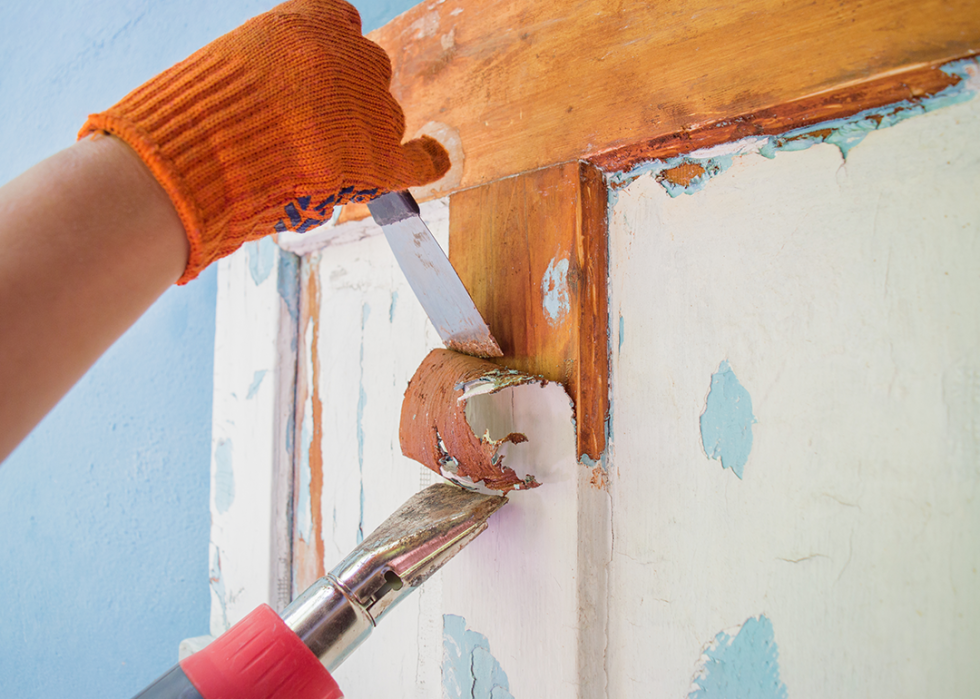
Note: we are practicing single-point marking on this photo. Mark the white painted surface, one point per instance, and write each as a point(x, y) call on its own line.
point(845, 297)
point(251, 460)
point(372, 336)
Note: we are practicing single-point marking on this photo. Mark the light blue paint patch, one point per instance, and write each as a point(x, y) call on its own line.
point(256, 382)
point(848, 132)
point(622, 331)
point(361, 403)
point(391, 308)
point(469, 670)
point(288, 284)
point(726, 423)
point(261, 257)
point(745, 665)
point(224, 476)
point(589, 462)
point(554, 290)
point(304, 508)
point(845, 134)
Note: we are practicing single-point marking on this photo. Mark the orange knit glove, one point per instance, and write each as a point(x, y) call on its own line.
point(270, 126)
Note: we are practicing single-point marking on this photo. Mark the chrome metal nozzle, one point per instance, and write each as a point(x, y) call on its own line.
point(335, 614)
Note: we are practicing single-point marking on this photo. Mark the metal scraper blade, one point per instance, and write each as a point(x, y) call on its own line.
point(432, 277)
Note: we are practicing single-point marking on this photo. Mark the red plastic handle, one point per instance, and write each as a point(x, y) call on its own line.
point(259, 658)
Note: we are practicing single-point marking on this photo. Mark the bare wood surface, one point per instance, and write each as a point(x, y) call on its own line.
point(531, 250)
point(529, 84)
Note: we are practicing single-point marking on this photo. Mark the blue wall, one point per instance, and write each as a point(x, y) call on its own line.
point(104, 508)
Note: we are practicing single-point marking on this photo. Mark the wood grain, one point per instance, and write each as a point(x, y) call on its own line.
point(912, 85)
point(527, 85)
point(542, 235)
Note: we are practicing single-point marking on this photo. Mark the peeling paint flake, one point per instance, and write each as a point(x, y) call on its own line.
point(726, 423)
point(741, 662)
point(469, 669)
point(434, 430)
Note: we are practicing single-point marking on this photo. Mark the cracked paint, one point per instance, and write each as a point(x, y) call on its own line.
point(726, 423)
point(469, 669)
point(689, 173)
point(308, 544)
point(742, 662)
point(434, 430)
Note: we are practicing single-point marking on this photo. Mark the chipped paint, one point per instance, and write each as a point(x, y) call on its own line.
point(554, 291)
point(435, 432)
point(469, 669)
point(224, 476)
point(256, 383)
point(316, 413)
point(726, 423)
point(689, 173)
point(742, 662)
point(261, 258)
point(361, 403)
point(287, 284)
point(304, 508)
point(392, 306)
point(217, 582)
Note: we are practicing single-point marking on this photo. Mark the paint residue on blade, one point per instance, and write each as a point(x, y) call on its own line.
point(434, 430)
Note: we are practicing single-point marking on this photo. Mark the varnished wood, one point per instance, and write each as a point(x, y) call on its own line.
point(911, 85)
point(529, 84)
point(505, 238)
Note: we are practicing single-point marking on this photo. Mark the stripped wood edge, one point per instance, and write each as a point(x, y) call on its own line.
point(524, 85)
point(913, 85)
point(563, 209)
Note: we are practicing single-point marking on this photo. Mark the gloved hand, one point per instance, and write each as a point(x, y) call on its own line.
point(270, 126)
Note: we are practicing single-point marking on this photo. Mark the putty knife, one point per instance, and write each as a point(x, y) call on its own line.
point(432, 277)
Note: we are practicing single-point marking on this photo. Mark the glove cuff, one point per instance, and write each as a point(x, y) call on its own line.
point(182, 124)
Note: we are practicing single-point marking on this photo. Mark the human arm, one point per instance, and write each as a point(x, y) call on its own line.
point(88, 241)
point(269, 126)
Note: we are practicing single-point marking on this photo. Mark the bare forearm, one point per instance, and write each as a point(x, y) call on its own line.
point(88, 240)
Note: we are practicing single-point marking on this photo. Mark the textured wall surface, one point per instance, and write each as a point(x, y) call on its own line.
point(104, 508)
point(809, 320)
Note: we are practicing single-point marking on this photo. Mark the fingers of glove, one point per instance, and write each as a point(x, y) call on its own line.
point(425, 161)
point(330, 10)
